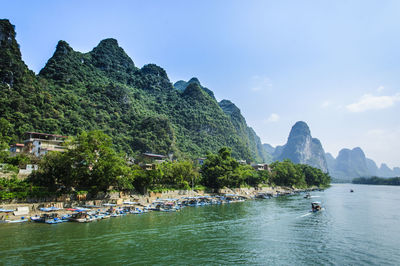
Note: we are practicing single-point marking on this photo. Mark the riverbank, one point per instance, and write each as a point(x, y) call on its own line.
point(141, 201)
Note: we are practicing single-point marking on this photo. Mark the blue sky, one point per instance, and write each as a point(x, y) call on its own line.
point(333, 64)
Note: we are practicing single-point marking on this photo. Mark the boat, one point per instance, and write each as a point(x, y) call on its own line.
point(6, 217)
point(351, 190)
point(55, 220)
point(80, 217)
point(22, 220)
point(262, 195)
point(47, 218)
point(316, 206)
point(307, 196)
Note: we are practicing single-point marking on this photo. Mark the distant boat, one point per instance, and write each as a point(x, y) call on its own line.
point(351, 190)
point(307, 196)
point(316, 206)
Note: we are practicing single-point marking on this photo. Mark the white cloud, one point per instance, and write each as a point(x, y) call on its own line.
point(371, 102)
point(380, 89)
point(260, 83)
point(273, 118)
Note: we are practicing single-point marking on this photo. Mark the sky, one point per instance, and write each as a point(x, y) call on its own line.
point(333, 64)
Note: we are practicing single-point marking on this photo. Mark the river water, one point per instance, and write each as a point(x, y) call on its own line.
point(355, 228)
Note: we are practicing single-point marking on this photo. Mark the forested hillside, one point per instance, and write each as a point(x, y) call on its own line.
point(103, 89)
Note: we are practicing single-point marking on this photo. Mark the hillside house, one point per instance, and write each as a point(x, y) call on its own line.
point(148, 161)
point(39, 144)
point(261, 167)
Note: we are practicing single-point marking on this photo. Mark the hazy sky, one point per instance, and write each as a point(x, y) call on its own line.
point(332, 64)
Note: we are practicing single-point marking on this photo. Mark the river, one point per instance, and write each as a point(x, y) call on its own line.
point(354, 228)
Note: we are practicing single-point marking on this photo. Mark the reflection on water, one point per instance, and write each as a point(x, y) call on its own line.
point(355, 228)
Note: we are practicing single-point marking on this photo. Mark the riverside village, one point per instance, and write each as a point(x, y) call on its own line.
point(83, 207)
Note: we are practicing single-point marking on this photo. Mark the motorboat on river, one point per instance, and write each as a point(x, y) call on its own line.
point(316, 206)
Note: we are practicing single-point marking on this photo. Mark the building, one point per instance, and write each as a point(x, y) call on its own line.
point(16, 148)
point(39, 144)
point(261, 167)
point(148, 161)
point(153, 158)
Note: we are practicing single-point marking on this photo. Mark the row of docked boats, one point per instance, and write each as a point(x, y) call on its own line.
point(90, 213)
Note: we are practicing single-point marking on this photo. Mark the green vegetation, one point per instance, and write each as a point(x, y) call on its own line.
point(14, 188)
point(287, 173)
point(138, 108)
point(90, 162)
point(395, 181)
point(221, 170)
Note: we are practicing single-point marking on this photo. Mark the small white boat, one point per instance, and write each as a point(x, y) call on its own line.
point(22, 220)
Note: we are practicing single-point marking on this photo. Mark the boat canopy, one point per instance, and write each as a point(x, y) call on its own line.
point(130, 202)
point(4, 210)
point(49, 209)
point(109, 204)
point(81, 209)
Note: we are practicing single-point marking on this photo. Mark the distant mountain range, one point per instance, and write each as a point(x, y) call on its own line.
point(349, 164)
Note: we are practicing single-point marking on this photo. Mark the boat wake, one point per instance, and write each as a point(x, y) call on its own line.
point(304, 215)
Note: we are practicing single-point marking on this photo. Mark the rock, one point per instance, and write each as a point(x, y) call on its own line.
point(302, 148)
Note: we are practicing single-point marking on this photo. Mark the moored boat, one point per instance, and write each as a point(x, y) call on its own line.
point(80, 217)
point(22, 220)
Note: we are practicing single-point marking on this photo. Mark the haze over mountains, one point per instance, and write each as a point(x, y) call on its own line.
point(349, 164)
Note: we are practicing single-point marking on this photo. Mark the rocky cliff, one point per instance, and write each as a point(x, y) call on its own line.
point(302, 148)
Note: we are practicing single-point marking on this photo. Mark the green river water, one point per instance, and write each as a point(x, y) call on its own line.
point(360, 228)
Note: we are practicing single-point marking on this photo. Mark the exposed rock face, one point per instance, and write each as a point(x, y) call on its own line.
point(302, 148)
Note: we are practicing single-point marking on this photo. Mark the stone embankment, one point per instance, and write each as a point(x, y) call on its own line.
point(67, 201)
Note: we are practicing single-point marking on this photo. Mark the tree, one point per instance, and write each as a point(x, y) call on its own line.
point(287, 174)
point(5, 132)
point(90, 162)
point(221, 170)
